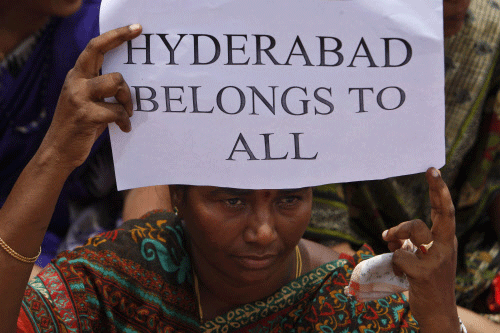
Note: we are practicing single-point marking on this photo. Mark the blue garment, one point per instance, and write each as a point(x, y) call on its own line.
point(28, 98)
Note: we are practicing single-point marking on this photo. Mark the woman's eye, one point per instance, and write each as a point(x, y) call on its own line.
point(233, 202)
point(289, 200)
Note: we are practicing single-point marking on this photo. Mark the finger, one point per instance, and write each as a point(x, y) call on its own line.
point(90, 60)
point(416, 230)
point(111, 85)
point(394, 245)
point(408, 263)
point(442, 209)
point(106, 113)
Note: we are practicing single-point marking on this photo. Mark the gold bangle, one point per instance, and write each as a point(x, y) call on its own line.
point(16, 255)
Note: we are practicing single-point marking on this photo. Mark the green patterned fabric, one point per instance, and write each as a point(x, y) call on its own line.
point(360, 212)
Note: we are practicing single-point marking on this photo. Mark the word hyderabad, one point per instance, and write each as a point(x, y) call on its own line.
point(238, 50)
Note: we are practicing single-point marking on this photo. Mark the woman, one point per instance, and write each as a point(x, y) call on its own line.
point(233, 259)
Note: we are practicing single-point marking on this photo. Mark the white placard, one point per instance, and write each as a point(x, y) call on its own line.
point(278, 94)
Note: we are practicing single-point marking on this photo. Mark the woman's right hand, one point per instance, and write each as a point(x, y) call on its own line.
point(82, 114)
point(431, 272)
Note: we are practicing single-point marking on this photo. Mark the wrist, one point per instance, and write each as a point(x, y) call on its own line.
point(50, 159)
point(442, 324)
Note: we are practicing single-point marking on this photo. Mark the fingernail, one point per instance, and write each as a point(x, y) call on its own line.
point(423, 249)
point(384, 234)
point(134, 27)
point(435, 173)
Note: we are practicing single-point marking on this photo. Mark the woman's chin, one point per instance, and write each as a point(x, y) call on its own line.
point(254, 277)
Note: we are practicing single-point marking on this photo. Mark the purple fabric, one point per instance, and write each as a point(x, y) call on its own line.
point(50, 245)
point(37, 88)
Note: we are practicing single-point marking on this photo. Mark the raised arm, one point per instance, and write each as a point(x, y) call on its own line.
point(80, 117)
point(431, 272)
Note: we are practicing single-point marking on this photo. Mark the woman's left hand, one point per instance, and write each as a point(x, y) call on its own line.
point(431, 272)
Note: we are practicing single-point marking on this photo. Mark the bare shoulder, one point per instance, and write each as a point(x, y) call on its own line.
point(315, 255)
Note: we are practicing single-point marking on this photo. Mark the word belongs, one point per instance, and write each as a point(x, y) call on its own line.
point(232, 100)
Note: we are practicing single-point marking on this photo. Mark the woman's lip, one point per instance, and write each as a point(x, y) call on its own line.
point(256, 262)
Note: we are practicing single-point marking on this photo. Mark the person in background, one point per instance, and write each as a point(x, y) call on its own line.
point(349, 215)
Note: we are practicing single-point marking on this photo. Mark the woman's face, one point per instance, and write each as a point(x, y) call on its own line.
point(247, 235)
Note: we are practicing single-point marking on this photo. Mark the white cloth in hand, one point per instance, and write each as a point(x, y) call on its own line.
point(374, 278)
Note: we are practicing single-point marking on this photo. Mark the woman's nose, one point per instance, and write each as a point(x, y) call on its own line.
point(260, 228)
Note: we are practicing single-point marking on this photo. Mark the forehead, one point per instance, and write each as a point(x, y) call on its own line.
point(214, 191)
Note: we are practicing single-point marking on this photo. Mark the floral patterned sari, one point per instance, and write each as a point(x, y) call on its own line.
point(138, 279)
